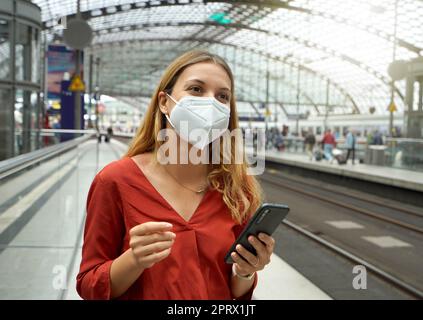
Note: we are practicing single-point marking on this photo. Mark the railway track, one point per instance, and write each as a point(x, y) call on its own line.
point(387, 277)
point(282, 183)
point(290, 184)
point(352, 195)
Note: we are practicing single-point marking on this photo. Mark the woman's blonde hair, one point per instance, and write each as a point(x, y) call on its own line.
point(240, 191)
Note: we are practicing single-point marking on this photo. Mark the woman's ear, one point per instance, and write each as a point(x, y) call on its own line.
point(163, 102)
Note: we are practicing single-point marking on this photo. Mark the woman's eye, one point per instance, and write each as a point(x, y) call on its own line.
point(195, 89)
point(224, 97)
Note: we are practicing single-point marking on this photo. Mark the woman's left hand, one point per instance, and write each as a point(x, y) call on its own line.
point(246, 262)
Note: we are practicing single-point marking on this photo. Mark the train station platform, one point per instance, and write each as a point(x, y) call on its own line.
point(393, 177)
point(42, 214)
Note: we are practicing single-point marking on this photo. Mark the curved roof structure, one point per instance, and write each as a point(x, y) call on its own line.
point(315, 55)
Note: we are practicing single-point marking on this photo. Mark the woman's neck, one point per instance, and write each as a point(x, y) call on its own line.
point(190, 173)
point(182, 168)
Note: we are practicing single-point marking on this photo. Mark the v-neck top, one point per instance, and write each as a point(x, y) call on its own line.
point(163, 198)
point(121, 197)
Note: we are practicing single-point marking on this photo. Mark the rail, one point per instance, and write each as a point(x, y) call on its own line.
point(21, 162)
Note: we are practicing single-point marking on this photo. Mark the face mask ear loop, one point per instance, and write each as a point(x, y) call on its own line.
point(168, 116)
point(168, 119)
point(171, 98)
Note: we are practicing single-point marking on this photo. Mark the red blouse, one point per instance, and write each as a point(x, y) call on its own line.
point(121, 197)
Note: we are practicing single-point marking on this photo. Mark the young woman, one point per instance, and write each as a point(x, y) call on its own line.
point(161, 231)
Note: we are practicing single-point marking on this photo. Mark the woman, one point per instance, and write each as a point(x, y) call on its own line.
point(161, 231)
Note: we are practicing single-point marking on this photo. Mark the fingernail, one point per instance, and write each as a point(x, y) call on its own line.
point(238, 247)
point(251, 239)
point(168, 224)
point(233, 254)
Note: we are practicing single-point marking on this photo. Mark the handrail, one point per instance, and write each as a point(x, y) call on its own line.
point(16, 164)
point(124, 134)
point(66, 131)
point(359, 139)
point(404, 140)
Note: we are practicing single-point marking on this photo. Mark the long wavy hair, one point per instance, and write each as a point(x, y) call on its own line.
point(241, 192)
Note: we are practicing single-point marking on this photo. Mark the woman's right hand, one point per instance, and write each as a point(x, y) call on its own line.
point(151, 242)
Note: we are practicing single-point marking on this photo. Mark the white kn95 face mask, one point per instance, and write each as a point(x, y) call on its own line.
point(204, 119)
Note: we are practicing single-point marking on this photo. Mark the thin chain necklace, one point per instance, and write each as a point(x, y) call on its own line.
point(176, 180)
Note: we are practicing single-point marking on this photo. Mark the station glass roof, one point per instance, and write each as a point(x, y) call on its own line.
point(318, 55)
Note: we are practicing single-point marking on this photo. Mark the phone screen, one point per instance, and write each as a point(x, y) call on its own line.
point(266, 219)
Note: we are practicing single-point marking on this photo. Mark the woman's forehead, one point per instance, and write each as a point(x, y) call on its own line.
point(207, 72)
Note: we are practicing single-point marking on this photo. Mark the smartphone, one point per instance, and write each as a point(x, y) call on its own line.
point(266, 219)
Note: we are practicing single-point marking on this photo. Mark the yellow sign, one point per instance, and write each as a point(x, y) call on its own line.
point(55, 105)
point(268, 113)
point(392, 107)
point(76, 84)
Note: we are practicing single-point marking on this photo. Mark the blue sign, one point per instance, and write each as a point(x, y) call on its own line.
point(60, 59)
point(67, 110)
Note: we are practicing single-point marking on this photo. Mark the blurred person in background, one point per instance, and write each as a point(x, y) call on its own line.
point(309, 142)
point(350, 142)
point(329, 143)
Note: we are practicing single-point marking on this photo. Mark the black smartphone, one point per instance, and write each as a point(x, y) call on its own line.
point(266, 219)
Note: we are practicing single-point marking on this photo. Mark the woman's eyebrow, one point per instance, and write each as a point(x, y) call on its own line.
point(202, 82)
point(196, 80)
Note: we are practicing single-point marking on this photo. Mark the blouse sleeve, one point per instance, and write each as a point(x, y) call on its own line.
point(249, 294)
point(103, 239)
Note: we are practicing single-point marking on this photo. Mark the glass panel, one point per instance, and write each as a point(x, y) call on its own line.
point(420, 107)
point(4, 48)
point(6, 124)
point(23, 52)
point(19, 119)
point(25, 121)
point(35, 56)
point(416, 90)
point(33, 112)
point(404, 154)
